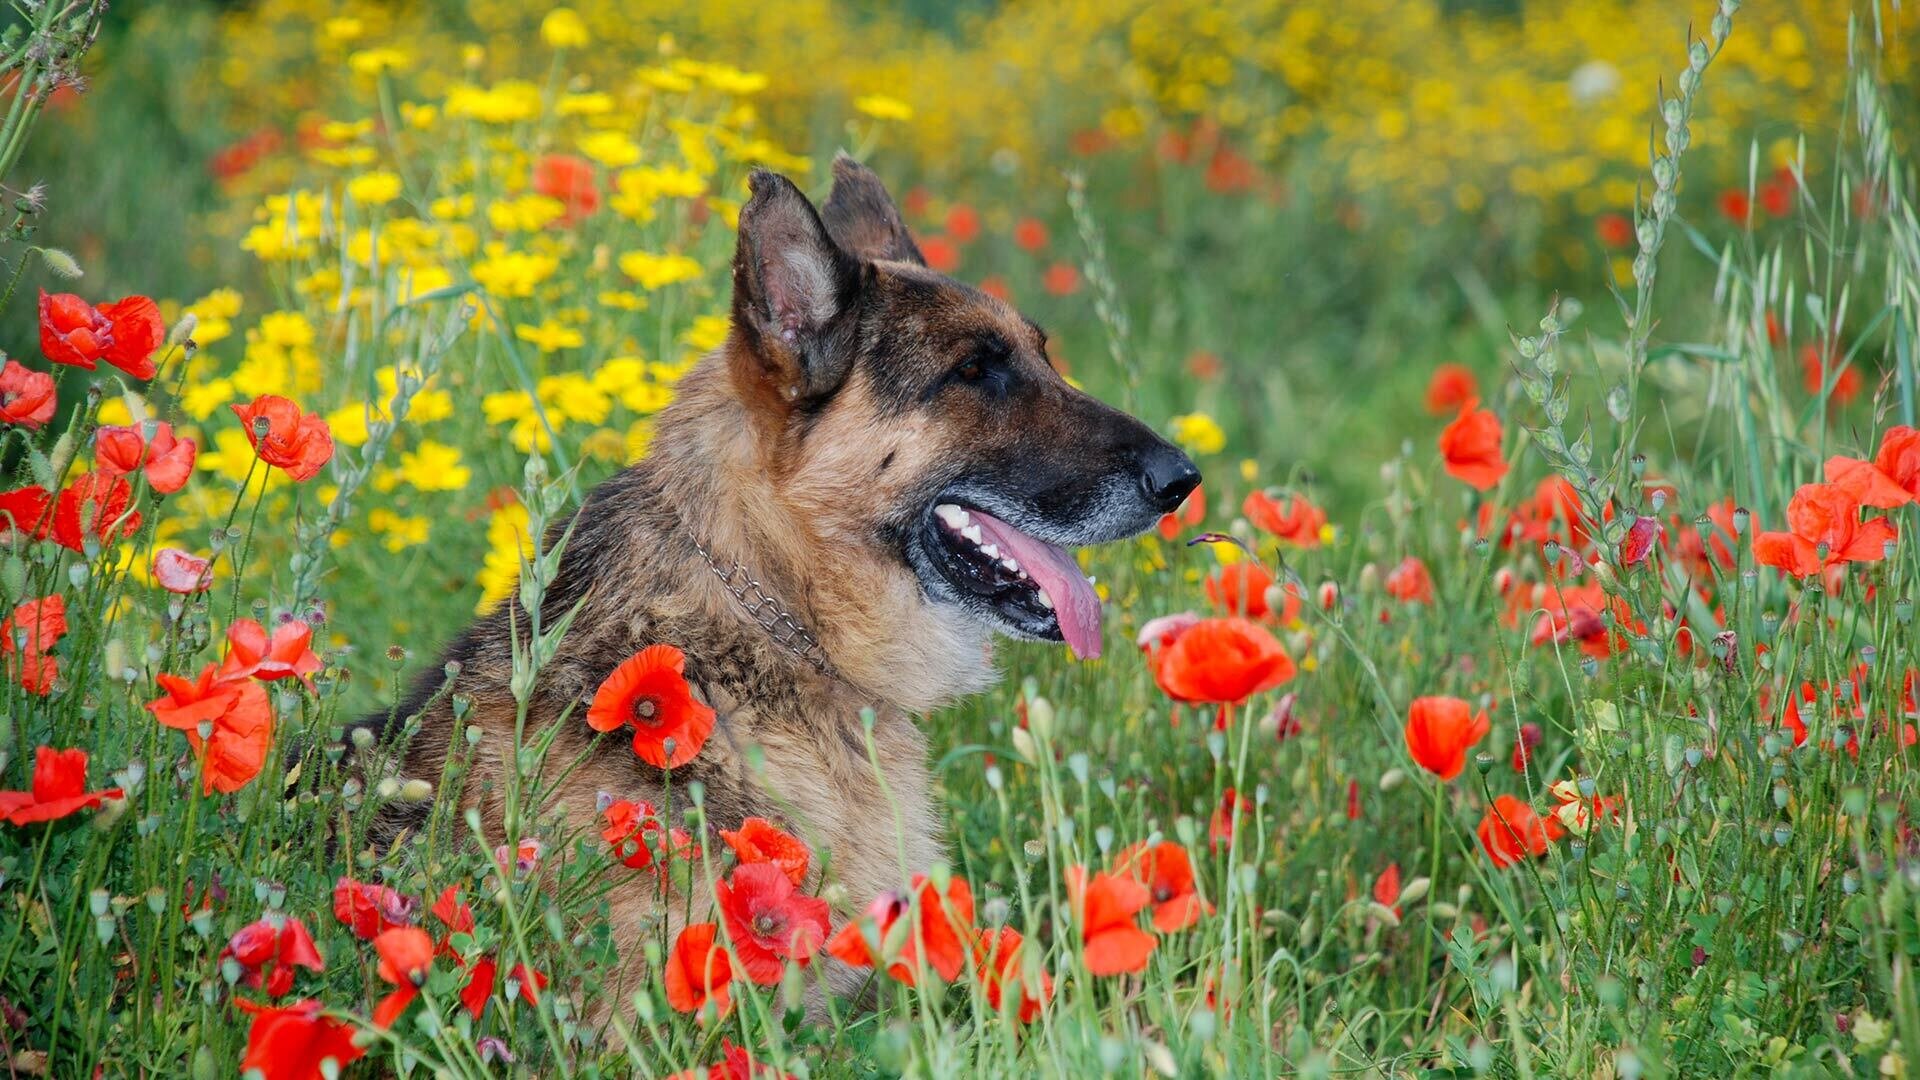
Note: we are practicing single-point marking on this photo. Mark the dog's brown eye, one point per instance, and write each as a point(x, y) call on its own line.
point(972, 371)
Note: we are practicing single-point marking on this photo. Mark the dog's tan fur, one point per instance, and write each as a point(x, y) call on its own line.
point(800, 456)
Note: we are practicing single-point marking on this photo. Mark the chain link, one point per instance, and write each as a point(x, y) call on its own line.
point(767, 612)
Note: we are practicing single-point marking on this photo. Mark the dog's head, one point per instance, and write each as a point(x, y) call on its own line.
point(913, 418)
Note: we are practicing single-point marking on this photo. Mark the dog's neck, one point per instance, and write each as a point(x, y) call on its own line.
point(880, 634)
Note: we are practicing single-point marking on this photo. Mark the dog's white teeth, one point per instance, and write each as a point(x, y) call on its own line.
point(1046, 601)
point(1012, 567)
point(991, 551)
point(1023, 575)
point(1091, 580)
point(955, 517)
point(972, 532)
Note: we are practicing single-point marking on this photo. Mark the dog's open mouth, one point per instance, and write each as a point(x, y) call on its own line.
point(1034, 588)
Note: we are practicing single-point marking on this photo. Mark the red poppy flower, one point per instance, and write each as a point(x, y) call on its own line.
point(483, 973)
point(963, 223)
point(1551, 513)
point(59, 788)
point(569, 179)
point(1106, 908)
point(298, 443)
point(1409, 582)
point(1776, 195)
point(1524, 741)
point(1614, 230)
point(1061, 279)
point(125, 333)
point(406, 954)
point(1511, 831)
point(293, 1043)
point(1813, 377)
point(921, 924)
point(1451, 388)
point(735, 1064)
point(251, 653)
point(1002, 973)
point(1470, 448)
point(1386, 888)
point(1440, 731)
point(1224, 661)
point(370, 910)
point(850, 944)
point(996, 286)
point(1167, 872)
point(95, 506)
point(1294, 520)
point(1242, 589)
point(27, 397)
point(769, 921)
point(181, 572)
point(1735, 206)
point(242, 720)
point(1220, 823)
point(637, 835)
point(761, 841)
point(1029, 234)
point(269, 950)
point(167, 461)
point(1190, 512)
point(1638, 544)
point(1867, 482)
point(649, 691)
point(940, 253)
point(699, 970)
point(1899, 458)
point(27, 510)
point(30, 633)
point(1824, 530)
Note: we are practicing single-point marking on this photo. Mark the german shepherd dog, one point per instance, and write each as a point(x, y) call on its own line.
point(890, 456)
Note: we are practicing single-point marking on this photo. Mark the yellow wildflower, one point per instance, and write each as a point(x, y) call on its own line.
point(1199, 433)
point(564, 29)
point(400, 532)
point(507, 543)
point(610, 148)
point(707, 333)
point(882, 107)
point(434, 466)
point(514, 274)
point(550, 336)
point(573, 395)
point(657, 271)
point(374, 62)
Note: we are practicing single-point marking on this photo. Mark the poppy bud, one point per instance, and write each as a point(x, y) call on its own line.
point(1040, 717)
point(1392, 778)
point(61, 263)
point(1503, 580)
point(1415, 891)
point(1329, 595)
point(1369, 579)
point(416, 791)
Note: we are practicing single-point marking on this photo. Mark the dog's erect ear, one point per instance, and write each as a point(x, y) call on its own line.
point(791, 284)
point(862, 218)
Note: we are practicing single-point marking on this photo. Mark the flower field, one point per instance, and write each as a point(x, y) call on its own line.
point(1528, 691)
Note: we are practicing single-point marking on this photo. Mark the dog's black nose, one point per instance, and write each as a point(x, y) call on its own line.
point(1167, 476)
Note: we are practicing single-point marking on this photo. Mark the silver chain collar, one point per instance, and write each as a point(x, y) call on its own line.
point(767, 611)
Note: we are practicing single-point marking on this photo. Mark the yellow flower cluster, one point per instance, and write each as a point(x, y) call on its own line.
point(1442, 107)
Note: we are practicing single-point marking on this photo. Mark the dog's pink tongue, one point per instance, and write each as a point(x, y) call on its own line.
point(1052, 568)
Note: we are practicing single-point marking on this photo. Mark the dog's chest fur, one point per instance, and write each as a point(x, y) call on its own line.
point(789, 744)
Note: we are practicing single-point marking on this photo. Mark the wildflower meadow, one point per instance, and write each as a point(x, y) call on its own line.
point(1529, 690)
